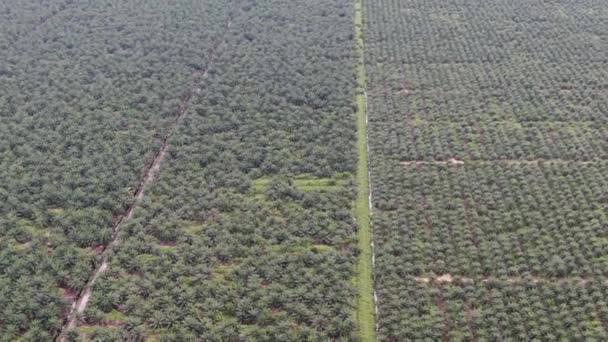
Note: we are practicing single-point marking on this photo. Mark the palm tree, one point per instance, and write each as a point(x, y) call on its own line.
point(157, 320)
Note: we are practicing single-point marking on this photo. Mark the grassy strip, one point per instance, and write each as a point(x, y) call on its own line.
point(365, 301)
point(306, 182)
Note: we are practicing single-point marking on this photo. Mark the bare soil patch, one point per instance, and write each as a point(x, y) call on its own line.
point(450, 162)
point(69, 294)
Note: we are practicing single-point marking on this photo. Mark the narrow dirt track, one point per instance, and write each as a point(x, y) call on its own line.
point(449, 278)
point(151, 171)
point(456, 162)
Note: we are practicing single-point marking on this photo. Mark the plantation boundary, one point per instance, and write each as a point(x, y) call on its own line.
point(367, 308)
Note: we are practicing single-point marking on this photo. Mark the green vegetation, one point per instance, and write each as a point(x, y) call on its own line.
point(247, 232)
point(488, 141)
point(82, 103)
point(306, 182)
point(487, 147)
point(115, 315)
point(300, 248)
point(365, 285)
point(194, 228)
point(56, 211)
